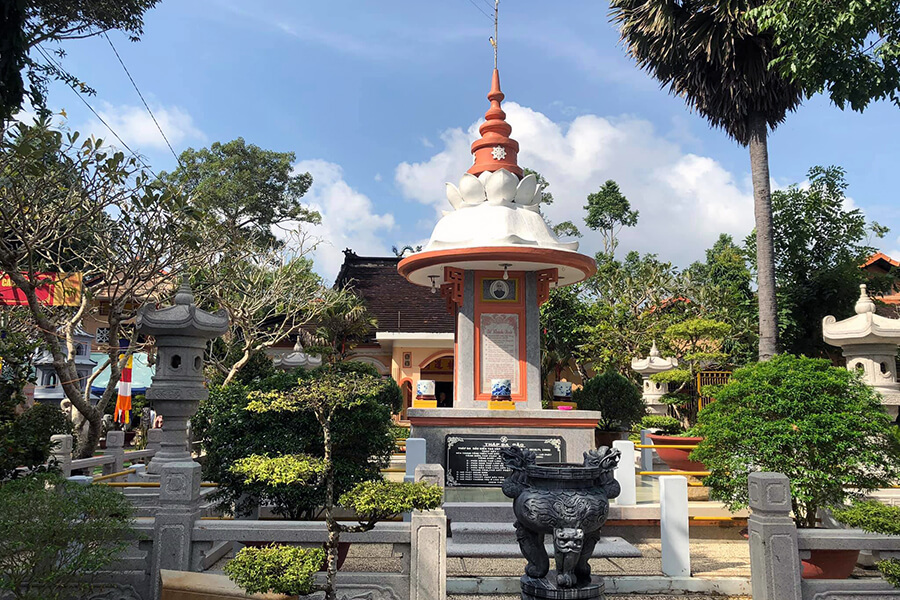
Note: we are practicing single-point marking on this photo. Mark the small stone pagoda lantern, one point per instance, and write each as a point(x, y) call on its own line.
point(653, 391)
point(48, 390)
point(181, 332)
point(297, 358)
point(869, 343)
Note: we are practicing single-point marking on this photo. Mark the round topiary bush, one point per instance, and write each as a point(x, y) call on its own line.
point(618, 400)
point(818, 424)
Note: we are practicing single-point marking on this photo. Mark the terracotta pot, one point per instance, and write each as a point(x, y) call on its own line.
point(676, 458)
point(829, 564)
point(606, 438)
point(343, 550)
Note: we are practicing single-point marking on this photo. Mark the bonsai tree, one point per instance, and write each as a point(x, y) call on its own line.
point(56, 534)
point(618, 400)
point(362, 441)
point(698, 343)
point(820, 425)
point(325, 397)
point(875, 517)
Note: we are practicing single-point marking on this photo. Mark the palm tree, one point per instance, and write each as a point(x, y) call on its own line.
point(711, 54)
point(342, 325)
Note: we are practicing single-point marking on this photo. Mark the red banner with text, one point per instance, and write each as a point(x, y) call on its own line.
point(53, 289)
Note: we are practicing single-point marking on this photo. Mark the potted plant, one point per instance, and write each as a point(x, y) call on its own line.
point(818, 424)
point(697, 343)
point(875, 517)
point(289, 571)
point(619, 402)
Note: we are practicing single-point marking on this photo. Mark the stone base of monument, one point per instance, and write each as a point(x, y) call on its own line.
point(545, 588)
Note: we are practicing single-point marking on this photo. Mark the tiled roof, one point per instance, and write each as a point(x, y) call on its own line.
point(398, 305)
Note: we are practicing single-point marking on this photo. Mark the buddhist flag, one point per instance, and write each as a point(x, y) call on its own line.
point(123, 402)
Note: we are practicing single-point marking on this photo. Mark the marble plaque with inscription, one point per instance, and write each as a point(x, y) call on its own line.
point(499, 350)
point(473, 460)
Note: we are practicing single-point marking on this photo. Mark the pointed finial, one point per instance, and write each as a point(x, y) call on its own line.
point(864, 304)
point(184, 295)
point(654, 351)
point(495, 150)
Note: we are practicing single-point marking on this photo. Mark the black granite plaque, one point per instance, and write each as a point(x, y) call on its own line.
point(474, 460)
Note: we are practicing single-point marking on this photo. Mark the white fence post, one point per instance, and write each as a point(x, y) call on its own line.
point(624, 473)
point(415, 456)
point(673, 523)
point(61, 452)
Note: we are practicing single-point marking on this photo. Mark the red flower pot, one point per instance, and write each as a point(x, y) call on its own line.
point(829, 564)
point(677, 458)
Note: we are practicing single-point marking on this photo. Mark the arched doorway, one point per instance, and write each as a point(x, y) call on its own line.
point(406, 391)
point(440, 369)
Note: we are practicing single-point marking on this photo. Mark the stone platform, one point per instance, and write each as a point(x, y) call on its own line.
point(576, 427)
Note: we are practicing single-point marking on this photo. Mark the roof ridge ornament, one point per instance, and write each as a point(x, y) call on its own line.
point(865, 303)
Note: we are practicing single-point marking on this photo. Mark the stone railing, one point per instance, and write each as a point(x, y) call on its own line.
point(113, 458)
point(777, 546)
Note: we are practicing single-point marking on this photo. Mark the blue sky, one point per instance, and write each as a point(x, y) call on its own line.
point(380, 99)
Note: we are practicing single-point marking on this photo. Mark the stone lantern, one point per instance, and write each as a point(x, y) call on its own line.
point(869, 343)
point(181, 332)
point(48, 390)
point(653, 391)
point(297, 358)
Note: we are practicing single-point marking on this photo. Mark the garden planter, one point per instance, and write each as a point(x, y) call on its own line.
point(677, 458)
point(606, 438)
point(829, 564)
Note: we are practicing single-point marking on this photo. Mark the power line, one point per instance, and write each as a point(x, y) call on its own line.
point(479, 9)
point(147, 106)
point(96, 114)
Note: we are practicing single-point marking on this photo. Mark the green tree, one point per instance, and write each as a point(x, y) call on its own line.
point(710, 53)
point(698, 343)
point(820, 425)
point(343, 325)
point(720, 289)
point(608, 211)
point(565, 319)
point(28, 24)
point(819, 246)
point(845, 48)
point(55, 535)
point(326, 397)
point(631, 302)
point(229, 432)
point(75, 206)
point(243, 189)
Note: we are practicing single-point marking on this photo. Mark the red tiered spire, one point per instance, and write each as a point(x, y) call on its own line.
point(495, 150)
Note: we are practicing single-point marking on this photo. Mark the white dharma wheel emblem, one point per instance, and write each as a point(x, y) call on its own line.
point(499, 152)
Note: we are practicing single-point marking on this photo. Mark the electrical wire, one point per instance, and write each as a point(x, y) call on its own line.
point(479, 9)
point(147, 106)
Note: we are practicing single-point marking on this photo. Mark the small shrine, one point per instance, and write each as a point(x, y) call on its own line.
point(48, 389)
point(297, 358)
point(654, 391)
point(494, 260)
point(869, 343)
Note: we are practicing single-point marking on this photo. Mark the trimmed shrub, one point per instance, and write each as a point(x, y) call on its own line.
point(820, 425)
point(662, 424)
point(285, 570)
point(618, 400)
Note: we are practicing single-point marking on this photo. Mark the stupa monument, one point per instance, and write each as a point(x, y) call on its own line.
point(495, 259)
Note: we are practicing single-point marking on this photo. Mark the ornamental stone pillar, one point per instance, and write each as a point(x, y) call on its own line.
point(869, 343)
point(651, 390)
point(181, 332)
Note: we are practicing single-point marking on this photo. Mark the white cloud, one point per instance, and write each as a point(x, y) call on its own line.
point(348, 218)
point(137, 129)
point(685, 200)
point(378, 177)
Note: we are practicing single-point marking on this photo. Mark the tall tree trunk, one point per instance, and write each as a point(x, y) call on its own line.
point(765, 242)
